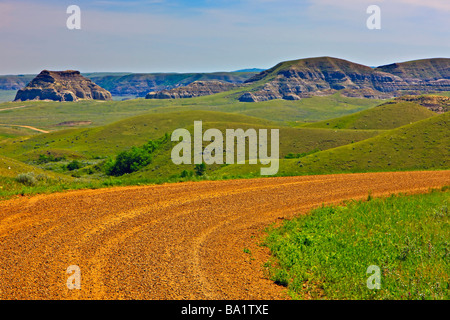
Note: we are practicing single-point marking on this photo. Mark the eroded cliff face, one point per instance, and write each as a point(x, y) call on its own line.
point(67, 85)
point(194, 89)
point(438, 104)
point(323, 76)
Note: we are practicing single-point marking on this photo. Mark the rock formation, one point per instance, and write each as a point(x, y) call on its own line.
point(297, 79)
point(194, 89)
point(67, 85)
point(438, 104)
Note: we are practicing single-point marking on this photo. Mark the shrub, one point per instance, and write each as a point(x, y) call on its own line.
point(74, 165)
point(42, 177)
point(26, 178)
point(129, 161)
point(50, 158)
point(200, 169)
point(134, 159)
point(187, 173)
point(292, 155)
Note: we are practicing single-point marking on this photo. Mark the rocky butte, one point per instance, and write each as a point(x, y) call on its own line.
point(67, 85)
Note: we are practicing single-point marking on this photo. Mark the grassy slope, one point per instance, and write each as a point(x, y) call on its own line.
point(11, 168)
point(296, 140)
point(91, 143)
point(45, 181)
point(422, 145)
point(385, 116)
point(12, 132)
point(118, 136)
point(326, 253)
point(46, 114)
point(121, 135)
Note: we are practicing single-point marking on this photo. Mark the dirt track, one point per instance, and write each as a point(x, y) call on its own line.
point(172, 241)
point(28, 127)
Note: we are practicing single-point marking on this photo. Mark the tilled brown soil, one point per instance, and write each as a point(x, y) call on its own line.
point(171, 241)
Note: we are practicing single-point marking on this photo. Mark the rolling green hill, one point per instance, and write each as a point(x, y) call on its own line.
point(385, 116)
point(110, 139)
point(19, 178)
point(49, 115)
point(115, 137)
point(11, 168)
point(291, 141)
point(423, 145)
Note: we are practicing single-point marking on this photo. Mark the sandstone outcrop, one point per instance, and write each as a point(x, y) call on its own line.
point(67, 85)
point(438, 104)
point(325, 75)
point(194, 89)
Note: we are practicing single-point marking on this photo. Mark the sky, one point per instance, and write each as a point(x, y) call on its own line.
point(215, 35)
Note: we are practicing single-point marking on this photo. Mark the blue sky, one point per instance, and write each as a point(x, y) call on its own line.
point(215, 35)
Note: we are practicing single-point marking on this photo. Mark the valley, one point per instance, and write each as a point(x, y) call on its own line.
point(94, 180)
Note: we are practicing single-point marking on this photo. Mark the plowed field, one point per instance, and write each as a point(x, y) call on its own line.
point(170, 241)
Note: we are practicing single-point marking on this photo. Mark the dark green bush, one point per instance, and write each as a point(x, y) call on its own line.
point(134, 159)
point(186, 173)
point(74, 165)
point(49, 158)
point(200, 169)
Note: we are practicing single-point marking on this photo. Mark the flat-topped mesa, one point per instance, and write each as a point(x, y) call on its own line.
point(67, 85)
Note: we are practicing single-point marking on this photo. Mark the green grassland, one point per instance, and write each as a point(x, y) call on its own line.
point(362, 137)
point(12, 132)
point(92, 145)
point(385, 116)
point(112, 138)
point(17, 177)
point(326, 253)
point(422, 145)
point(48, 114)
point(296, 140)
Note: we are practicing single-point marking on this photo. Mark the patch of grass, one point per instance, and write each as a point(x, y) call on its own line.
point(385, 116)
point(326, 253)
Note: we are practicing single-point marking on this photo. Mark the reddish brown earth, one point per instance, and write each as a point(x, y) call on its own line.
point(171, 241)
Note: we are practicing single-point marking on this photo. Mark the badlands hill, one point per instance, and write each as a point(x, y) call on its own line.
point(194, 89)
point(296, 79)
point(67, 85)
